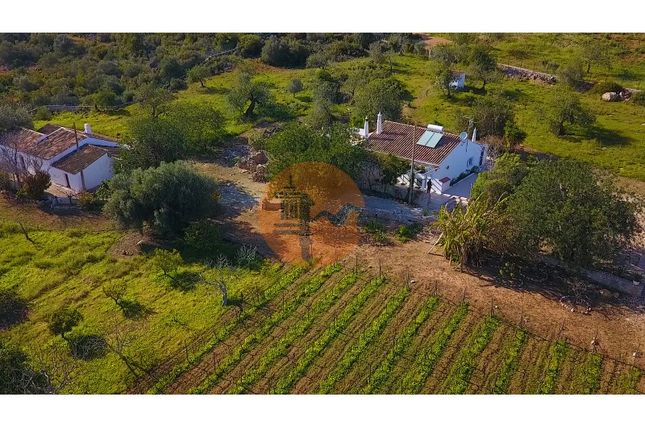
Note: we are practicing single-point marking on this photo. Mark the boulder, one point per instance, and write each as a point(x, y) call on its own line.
point(259, 157)
point(611, 97)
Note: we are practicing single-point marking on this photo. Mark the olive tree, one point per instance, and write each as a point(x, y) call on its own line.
point(567, 109)
point(166, 198)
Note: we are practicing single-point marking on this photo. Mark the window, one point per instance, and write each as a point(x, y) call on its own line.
point(470, 162)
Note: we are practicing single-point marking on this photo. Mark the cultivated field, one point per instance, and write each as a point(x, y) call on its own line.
point(342, 330)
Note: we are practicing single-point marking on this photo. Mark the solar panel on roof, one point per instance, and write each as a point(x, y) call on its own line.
point(429, 139)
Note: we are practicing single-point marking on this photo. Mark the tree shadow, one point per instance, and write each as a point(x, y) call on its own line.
point(87, 346)
point(304, 98)
point(607, 137)
point(13, 309)
point(132, 309)
point(185, 281)
point(513, 95)
point(214, 90)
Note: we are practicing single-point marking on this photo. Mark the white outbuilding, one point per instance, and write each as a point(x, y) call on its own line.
point(76, 160)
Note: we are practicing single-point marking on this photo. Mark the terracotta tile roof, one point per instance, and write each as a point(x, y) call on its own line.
point(79, 160)
point(396, 139)
point(50, 141)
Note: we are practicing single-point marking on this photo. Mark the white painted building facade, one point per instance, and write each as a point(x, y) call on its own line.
point(441, 158)
point(75, 160)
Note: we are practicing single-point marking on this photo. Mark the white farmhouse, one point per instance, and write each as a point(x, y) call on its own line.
point(75, 160)
point(444, 156)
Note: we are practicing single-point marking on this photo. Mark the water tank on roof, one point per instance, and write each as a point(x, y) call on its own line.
point(436, 128)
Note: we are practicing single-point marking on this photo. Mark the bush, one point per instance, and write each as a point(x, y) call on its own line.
point(250, 45)
point(295, 86)
point(6, 184)
point(34, 186)
point(90, 202)
point(407, 232)
point(607, 87)
point(203, 238)
point(638, 98)
point(572, 74)
point(13, 308)
point(43, 114)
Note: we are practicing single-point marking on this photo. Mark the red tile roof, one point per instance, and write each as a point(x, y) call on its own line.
point(79, 160)
point(46, 144)
point(396, 139)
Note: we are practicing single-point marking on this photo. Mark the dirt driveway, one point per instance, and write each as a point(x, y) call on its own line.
point(618, 327)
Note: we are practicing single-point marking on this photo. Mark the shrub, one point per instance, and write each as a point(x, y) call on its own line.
point(90, 202)
point(407, 232)
point(203, 237)
point(607, 87)
point(43, 114)
point(638, 98)
point(34, 186)
point(572, 74)
point(6, 184)
point(13, 308)
point(295, 86)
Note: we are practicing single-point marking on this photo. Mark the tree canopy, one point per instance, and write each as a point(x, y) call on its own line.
point(298, 143)
point(248, 93)
point(165, 198)
point(567, 109)
point(385, 95)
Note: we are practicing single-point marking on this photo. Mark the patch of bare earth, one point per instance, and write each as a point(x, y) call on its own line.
point(619, 328)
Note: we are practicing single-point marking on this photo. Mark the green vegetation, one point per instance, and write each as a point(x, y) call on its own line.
point(165, 198)
point(511, 360)
point(384, 370)
point(283, 344)
point(561, 208)
point(368, 336)
point(628, 381)
point(557, 354)
point(462, 369)
point(286, 383)
point(424, 365)
point(250, 341)
point(588, 376)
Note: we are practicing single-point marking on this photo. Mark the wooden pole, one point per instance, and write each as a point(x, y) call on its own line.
point(412, 174)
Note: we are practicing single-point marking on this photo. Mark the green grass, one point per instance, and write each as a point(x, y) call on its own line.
point(461, 371)
point(512, 353)
point(616, 142)
point(284, 384)
point(424, 365)
point(270, 293)
point(557, 354)
point(365, 339)
point(282, 346)
point(70, 267)
point(404, 340)
point(265, 329)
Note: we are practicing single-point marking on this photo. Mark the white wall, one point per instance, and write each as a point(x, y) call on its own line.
point(457, 161)
point(98, 172)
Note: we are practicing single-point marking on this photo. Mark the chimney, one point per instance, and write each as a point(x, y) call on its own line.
point(87, 128)
point(379, 123)
point(474, 138)
point(366, 128)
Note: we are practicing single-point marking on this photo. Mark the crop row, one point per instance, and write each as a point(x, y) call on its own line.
point(281, 347)
point(557, 353)
point(365, 339)
point(460, 373)
point(269, 294)
point(587, 379)
point(262, 332)
point(511, 360)
point(285, 384)
point(424, 365)
point(381, 374)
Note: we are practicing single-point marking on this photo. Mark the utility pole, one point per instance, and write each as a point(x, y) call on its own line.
point(77, 149)
point(412, 174)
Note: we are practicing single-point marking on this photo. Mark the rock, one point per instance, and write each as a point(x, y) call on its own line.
point(611, 97)
point(259, 157)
